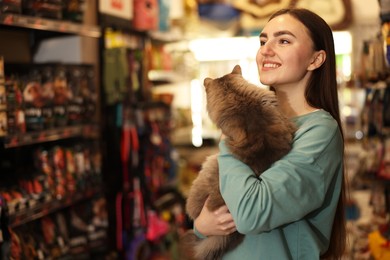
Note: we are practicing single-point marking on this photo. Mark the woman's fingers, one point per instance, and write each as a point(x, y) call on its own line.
point(227, 229)
point(218, 222)
point(223, 209)
point(225, 220)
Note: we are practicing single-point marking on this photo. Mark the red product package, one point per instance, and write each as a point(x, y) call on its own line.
point(145, 15)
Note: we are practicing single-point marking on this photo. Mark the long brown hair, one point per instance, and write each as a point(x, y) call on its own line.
point(321, 92)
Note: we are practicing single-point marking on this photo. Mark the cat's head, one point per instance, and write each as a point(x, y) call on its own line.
point(237, 106)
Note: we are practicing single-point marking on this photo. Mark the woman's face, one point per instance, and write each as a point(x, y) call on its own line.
point(286, 52)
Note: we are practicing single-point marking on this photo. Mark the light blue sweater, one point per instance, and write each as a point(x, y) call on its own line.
point(288, 212)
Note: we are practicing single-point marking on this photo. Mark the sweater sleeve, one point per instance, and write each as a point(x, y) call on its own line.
point(290, 189)
point(197, 233)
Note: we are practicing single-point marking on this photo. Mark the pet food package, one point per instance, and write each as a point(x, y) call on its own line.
point(115, 74)
point(76, 82)
point(53, 239)
point(44, 165)
point(59, 164)
point(62, 95)
point(164, 18)
point(33, 101)
point(70, 172)
point(3, 101)
point(3, 120)
point(77, 218)
point(98, 223)
point(73, 10)
point(146, 15)
point(16, 123)
point(11, 6)
point(90, 95)
point(47, 88)
point(43, 8)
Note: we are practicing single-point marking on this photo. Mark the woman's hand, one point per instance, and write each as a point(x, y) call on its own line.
point(219, 222)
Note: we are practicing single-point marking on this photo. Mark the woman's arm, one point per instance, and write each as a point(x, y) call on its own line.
point(293, 187)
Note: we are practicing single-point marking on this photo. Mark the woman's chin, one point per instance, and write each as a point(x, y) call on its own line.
point(266, 82)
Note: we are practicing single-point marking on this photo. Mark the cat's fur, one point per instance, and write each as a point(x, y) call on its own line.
point(256, 132)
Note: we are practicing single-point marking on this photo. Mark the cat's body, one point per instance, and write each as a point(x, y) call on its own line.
point(256, 132)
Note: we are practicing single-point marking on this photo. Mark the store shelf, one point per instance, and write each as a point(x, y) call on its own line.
point(161, 77)
point(91, 131)
point(36, 209)
point(173, 35)
point(39, 23)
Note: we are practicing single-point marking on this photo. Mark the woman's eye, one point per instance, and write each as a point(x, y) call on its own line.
point(262, 42)
point(284, 41)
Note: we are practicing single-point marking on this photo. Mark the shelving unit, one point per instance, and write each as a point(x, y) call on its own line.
point(38, 23)
point(52, 172)
point(39, 209)
point(50, 135)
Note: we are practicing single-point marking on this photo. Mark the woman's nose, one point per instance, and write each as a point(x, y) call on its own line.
point(266, 49)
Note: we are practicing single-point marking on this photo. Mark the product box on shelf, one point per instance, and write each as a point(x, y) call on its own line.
point(65, 49)
point(48, 96)
point(73, 10)
point(146, 15)
point(16, 123)
point(3, 101)
point(14, 6)
point(49, 8)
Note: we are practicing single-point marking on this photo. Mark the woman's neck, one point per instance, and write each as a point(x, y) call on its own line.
point(293, 103)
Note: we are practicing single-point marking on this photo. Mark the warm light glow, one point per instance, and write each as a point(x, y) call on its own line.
point(347, 111)
point(237, 48)
point(244, 50)
point(359, 135)
point(342, 42)
point(196, 112)
point(215, 49)
point(346, 67)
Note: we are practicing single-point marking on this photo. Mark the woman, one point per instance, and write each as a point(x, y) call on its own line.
point(295, 210)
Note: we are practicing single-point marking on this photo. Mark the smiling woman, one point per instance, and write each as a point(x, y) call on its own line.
point(242, 50)
point(287, 56)
point(295, 209)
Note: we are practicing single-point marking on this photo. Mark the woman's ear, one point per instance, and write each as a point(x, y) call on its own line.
point(318, 59)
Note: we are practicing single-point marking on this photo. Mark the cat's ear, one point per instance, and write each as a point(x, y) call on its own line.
point(207, 81)
point(237, 70)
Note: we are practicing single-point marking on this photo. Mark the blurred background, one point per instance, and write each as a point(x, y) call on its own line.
point(103, 121)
